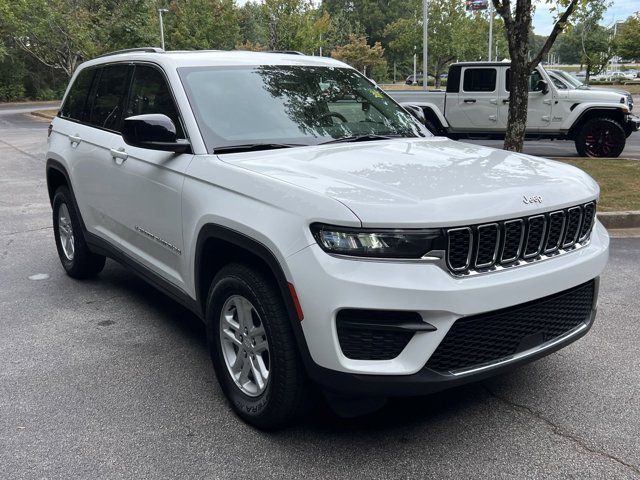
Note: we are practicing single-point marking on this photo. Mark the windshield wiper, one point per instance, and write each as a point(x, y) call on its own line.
point(252, 147)
point(362, 138)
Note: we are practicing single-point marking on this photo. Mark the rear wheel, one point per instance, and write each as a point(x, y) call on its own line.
point(601, 137)
point(73, 251)
point(253, 348)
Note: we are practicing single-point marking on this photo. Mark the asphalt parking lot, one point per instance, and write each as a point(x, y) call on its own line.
point(109, 379)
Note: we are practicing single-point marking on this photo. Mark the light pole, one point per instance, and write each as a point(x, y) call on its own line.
point(160, 12)
point(490, 28)
point(425, 44)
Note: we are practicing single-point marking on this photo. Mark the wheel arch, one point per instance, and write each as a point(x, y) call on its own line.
point(218, 245)
point(588, 113)
point(57, 176)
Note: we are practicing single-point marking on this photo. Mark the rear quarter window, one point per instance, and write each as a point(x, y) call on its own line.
point(479, 80)
point(75, 105)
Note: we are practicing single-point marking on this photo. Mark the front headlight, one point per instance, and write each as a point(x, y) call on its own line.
point(376, 243)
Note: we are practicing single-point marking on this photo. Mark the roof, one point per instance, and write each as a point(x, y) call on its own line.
point(484, 64)
point(201, 58)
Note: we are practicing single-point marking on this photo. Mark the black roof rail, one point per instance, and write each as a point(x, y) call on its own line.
point(132, 50)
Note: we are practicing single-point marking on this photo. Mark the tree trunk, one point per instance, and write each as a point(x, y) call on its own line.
point(518, 39)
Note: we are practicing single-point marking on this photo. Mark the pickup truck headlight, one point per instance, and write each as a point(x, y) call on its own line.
point(375, 243)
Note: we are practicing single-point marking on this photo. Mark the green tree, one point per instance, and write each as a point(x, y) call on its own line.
point(453, 35)
point(201, 24)
point(362, 56)
point(284, 19)
point(628, 38)
point(251, 25)
point(517, 25)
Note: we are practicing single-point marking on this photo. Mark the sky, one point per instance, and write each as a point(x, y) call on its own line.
point(619, 11)
point(543, 19)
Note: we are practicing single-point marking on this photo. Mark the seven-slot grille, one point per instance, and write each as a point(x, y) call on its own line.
point(507, 243)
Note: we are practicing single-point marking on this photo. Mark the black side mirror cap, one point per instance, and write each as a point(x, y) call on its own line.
point(153, 131)
point(542, 86)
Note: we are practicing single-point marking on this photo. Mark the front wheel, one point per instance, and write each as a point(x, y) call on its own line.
point(75, 256)
point(601, 137)
point(253, 348)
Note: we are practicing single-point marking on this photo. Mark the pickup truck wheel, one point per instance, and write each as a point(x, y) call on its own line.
point(253, 349)
point(73, 251)
point(601, 137)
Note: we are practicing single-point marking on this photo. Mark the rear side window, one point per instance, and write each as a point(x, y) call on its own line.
point(479, 80)
point(75, 104)
point(109, 97)
point(453, 80)
point(150, 94)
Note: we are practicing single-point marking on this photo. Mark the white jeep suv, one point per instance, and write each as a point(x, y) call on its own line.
point(323, 235)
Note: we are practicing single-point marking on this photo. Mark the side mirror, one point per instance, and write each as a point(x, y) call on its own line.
point(153, 131)
point(416, 112)
point(542, 86)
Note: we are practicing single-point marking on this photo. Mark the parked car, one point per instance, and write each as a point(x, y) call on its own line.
point(321, 233)
point(565, 81)
point(417, 80)
point(476, 105)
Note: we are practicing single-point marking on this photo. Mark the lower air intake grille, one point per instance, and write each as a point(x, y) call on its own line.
point(362, 336)
point(494, 336)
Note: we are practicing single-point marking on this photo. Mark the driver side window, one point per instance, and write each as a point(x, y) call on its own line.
point(533, 80)
point(150, 94)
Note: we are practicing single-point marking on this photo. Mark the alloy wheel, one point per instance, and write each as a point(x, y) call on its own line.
point(65, 232)
point(244, 345)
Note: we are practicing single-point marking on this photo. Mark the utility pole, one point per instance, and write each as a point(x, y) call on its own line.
point(160, 12)
point(425, 45)
point(490, 28)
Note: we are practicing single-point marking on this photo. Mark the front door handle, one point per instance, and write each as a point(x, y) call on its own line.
point(119, 155)
point(75, 139)
point(469, 100)
point(505, 101)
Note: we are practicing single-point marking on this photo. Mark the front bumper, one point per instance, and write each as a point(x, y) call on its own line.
point(633, 123)
point(327, 284)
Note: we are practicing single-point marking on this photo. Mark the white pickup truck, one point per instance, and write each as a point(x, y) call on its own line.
point(476, 105)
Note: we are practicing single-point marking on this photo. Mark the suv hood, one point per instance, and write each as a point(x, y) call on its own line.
point(433, 182)
point(596, 96)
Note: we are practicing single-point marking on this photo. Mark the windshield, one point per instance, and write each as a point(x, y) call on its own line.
point(290, 106)
point(570, 79)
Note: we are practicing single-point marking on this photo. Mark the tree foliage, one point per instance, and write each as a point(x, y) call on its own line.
point(628, 38)
point(360, 55)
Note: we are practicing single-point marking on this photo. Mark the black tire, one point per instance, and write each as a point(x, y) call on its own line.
point(601, 138)
point(83, 263)
point(287, 392)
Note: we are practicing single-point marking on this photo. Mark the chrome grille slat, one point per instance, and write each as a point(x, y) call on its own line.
point(512, 242)
point(488, 235)
point(513, 232)
point(555, 232)
point(536, 231)
point(572, 230)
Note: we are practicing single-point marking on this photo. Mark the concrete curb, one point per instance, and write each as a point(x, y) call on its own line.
point(620, 220)
point(43, 114)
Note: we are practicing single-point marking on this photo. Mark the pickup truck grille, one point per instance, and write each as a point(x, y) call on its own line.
point(480, 248)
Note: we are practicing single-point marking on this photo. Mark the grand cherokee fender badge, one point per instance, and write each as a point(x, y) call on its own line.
point(162, 242)
point(531, 199)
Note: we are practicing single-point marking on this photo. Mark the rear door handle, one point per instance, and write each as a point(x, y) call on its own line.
point(119, 155)
point(469, 100)
point(75, 138)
